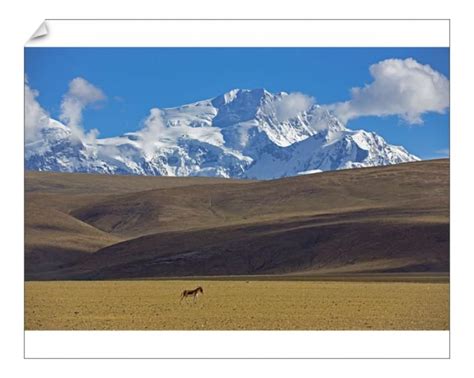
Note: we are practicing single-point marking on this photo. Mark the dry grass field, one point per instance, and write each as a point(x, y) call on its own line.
point(237, 304)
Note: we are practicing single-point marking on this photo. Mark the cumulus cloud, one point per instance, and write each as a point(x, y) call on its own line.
point(80, 94)
point(293, 104)
point(400, 87)
point(35, 116)
point(290, 105)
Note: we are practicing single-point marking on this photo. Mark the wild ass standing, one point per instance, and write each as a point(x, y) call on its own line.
point(192, 293)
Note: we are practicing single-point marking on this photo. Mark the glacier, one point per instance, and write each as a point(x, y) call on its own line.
point(241, 134)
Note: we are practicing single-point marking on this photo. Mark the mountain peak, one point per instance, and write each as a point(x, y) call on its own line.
point(244, 95)
point(238, 105)
point(243, 133)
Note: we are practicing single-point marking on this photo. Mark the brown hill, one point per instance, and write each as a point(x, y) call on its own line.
point(385, 219)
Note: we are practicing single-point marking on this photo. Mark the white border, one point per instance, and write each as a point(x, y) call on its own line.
point(240, 344)
point(237, 344)
point(244, 33)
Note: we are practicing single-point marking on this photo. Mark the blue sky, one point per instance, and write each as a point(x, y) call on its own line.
point(138, 79)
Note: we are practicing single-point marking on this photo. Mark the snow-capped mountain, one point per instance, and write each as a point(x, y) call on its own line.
point(240, 134)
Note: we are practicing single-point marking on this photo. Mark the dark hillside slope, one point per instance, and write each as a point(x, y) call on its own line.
point(384, 219)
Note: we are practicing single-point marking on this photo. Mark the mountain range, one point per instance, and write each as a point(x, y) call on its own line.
point(252, 134)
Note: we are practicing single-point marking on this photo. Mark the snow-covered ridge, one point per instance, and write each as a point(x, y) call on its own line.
point(240, 134)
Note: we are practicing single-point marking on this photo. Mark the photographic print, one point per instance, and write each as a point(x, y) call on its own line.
point(201, 188)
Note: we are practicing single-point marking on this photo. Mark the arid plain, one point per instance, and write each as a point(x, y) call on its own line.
point(238, 304)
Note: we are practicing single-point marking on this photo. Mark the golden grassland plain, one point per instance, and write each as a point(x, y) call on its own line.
point(236, 305)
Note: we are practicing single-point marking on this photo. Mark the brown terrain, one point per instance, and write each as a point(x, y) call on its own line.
point(251, 304)
point(391, 219)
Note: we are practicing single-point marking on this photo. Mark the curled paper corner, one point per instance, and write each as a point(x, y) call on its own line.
point(41, 31)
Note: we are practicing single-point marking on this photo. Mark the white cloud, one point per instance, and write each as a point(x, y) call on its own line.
point(81, 94)
point(290, 105)
point(154, 127)
point(293, 104)
point(400, 87)
point(35, 116)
